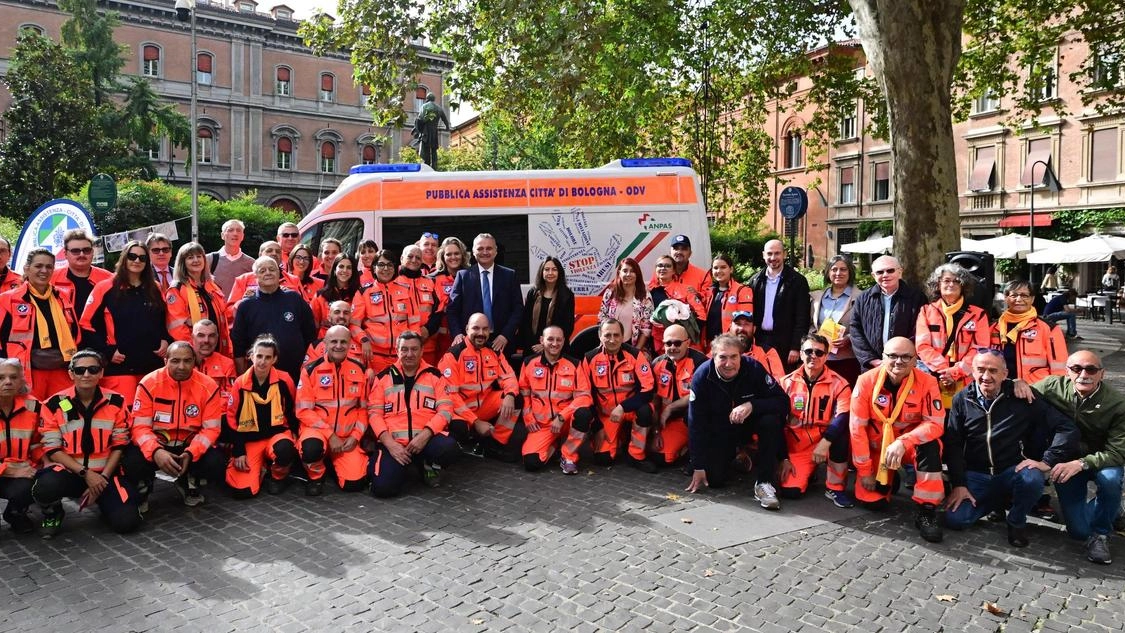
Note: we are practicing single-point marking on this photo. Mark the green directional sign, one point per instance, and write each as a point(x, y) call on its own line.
point(103, 193)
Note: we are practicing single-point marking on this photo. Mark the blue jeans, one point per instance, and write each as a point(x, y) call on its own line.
point(1084, 518)
point(1071, 325)
point(991, 491)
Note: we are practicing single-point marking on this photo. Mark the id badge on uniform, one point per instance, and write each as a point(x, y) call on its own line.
point(162, 417)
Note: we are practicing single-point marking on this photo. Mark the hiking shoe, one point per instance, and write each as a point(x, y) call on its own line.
point(839, 498)
point(996, 516)
point(766, 496)
point(568, 467)
point(644, 465)
point(1044, 510)
point(314, 488)
point(472, 449)
point(276, 486)
point(742, 462)
point(20, 522)
point(1097, 549)
point(431, 475)
point(50, 527)
point(1017, 536)
point(189, 492)
point(927, 523)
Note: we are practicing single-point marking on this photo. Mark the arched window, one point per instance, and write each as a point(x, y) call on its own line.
point(327, 87)
point(793, 153)
point(370, 154)
point(328, 157)
point(34, 28)
point(150, 61)
point(205, 145)
point(203, 67)
point(283, 87)
point(420, 97)
point(284, 153)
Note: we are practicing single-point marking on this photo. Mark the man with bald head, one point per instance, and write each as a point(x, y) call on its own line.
point(886, 310)
point(781, 305)
point(897, 418)
point(1099, 412)
point(673, 371)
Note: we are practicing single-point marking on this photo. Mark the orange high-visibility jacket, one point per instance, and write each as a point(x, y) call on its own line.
point(553, 388)
point(428, 405)
point(17, 323)
point(624, 378)
point(673, 378)
point(970, 332)
point(170, 412)
point(738, 298)
point(88, 434)
point(474, 375)
point(1040, 351)
point(333, 398)
point(212, 305)
point(20, 443)
point(922, 418)
point(816, 405)
point(220, 369)
point(371, 320)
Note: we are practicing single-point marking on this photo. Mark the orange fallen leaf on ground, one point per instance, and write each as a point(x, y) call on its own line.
point(993, 608)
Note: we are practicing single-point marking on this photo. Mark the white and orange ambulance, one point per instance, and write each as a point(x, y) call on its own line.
point(589, 218)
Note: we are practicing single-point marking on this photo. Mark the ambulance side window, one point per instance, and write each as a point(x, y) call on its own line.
point(349, 231)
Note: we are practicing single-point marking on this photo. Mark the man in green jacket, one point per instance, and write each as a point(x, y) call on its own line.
point(1099, 411)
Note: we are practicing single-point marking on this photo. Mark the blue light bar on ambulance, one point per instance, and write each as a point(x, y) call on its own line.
point(655, 162)
point(392, 168)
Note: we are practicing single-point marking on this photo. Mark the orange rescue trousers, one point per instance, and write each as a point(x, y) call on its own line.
point(279, 451)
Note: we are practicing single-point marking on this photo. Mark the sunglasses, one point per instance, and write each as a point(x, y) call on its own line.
point(819, 353)
point(886, 271)
point(673, 343)
point(86, 369)
point(1018, 295)
point(1078, 369)
point(431, 235)
point(384, 264)
point(990, 350)
point(136, 257)
point(160, 249)
point(906, 358)
point(290, 235)
point(89, 250)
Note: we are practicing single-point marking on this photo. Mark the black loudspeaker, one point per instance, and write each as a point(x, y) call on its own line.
point(983, 267)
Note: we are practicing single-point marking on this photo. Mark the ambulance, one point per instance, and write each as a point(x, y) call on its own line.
point(590, 219)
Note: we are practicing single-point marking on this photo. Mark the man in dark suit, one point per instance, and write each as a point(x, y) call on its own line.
point(781, 305)
point(489, 289)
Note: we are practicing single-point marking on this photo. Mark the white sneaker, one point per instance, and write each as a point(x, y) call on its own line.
point(765, 495)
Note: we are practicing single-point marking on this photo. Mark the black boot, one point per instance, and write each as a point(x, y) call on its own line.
point(927, 523)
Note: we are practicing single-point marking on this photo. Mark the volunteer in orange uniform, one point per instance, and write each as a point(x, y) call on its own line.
point(485, 392)
point(261, 418)
point(742, 326)
point(664, 287)
point(556, 397)
point(39, 326)
point(332, 398)
point(194, 296)
point(409, 416)
point(685, 272)
point(205, 340)
point(177, 417)
point(724, 297)
point(79, 275)
point(817, 428)
point(21, 452)
point(622, 385)
point(371, 315)
point(897, 418)
point(9, 279)
point(85, 432)
point(339, 313)
point(673, 371)
point(950, 330)
point(1033, 349)
point(414, 302)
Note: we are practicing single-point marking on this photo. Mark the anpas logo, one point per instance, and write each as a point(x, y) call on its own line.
point(648, 222)
point(47, 226)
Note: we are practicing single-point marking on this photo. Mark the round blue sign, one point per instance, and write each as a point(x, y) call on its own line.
point(793, 202)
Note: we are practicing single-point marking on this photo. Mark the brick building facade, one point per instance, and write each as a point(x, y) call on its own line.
point(272, 116)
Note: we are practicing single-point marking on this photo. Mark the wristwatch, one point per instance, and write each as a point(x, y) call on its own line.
point(1085, 464)
point(82, 473)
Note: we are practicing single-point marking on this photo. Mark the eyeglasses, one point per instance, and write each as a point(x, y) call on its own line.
point(86, 369)
point(1078, 369)
point(951, 281)
point(1018, 295)
point(89, 250)
point(664, 265)
point(886, 271)
point(672, 343)
point(160, 249)
point(989, 350)
point(819, 353)
point(136, 257)
point(291, 235)
point(300, 258)
point(431, 235)
point(906, 358)
point(384, 264)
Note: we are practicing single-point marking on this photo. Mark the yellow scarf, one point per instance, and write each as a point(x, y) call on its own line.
point(193, 302)
point(948, 311)
point(248, 414)
point(884, 476)
point(1020, 321)
point(58, 317)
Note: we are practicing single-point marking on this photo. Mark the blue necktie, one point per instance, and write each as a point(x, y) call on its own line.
point(486, 296)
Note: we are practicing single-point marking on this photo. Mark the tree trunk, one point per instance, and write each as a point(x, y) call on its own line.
point(913, 47)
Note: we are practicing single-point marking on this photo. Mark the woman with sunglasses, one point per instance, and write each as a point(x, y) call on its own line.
point(663, 287)
point(1033, 349)
point(125, 321)
point(371, 311)
point(301, 266)
point(194, 296)
point(342, 285)
point(950, 329)
point(365, 255)
point(452, 256)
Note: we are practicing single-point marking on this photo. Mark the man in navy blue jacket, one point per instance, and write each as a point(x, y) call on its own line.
point(501, 303)
point(277, 311)
point(732, 398)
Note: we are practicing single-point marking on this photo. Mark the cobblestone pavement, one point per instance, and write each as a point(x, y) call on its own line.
point(499, 549)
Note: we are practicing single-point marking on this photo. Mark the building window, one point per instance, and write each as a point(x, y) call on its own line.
point(247, 7)
point(847, 186)
point(882, 189)
point(282, 14)
point(203, 65)
point(284, 153)
point(987, 102)
point(849, 126)
point(1049, 76)
point(1103, 155)
point(205, 145)
point(420, 97)
point(328, 157)
point(150, 66)
point(983, 177)
point(370, 154)
point(327, 88)
point(793, 158)
point(283, 87)
point(34, 28)
point(153, 150)
point(366, 90)
point(1036, 162)
point(1107, 71)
